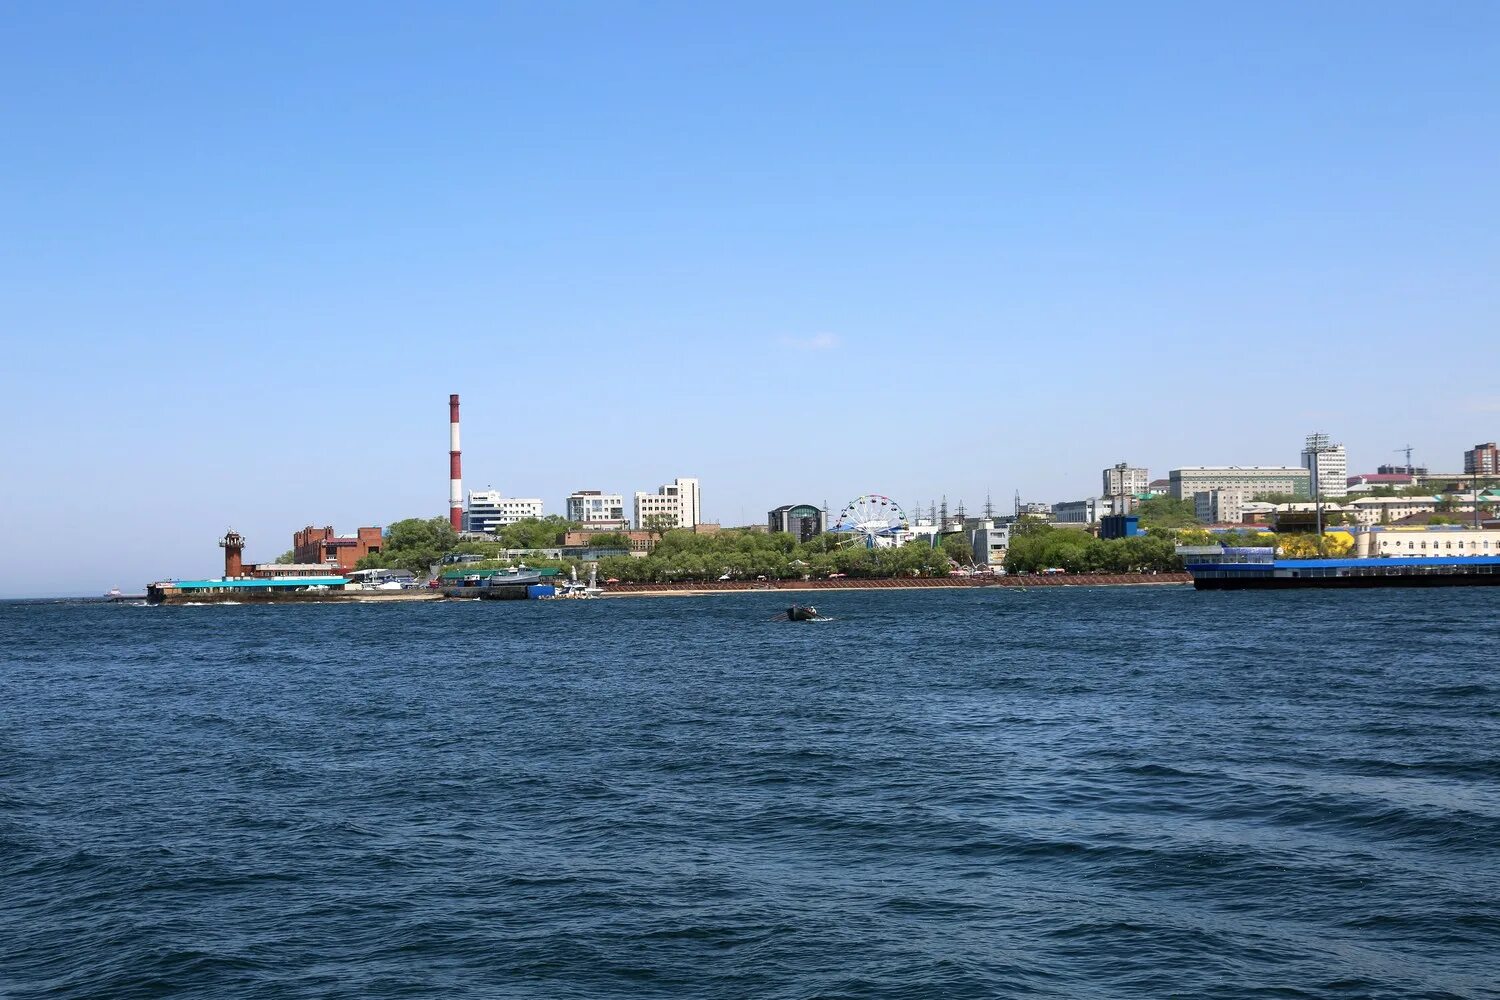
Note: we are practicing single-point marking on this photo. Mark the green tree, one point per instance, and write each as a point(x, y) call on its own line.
point(958, 549)
point(415, 544)
point(1164, 512)
point(287, 558)
point(609, 540)
point(659, 524)
point(535, 532)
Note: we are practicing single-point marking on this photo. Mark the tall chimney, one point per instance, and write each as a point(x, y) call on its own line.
point(455, 468)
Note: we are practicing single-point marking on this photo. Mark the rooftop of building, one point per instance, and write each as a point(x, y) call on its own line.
point(1239, 468)
point(258, 584)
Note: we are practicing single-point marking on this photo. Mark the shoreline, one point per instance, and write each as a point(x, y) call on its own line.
point(710, 588)
point(716, 588)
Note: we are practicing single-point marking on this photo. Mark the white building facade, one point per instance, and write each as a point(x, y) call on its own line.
point(1384, 510)
point(1121, 480)
point(488, 510)
point(1219, 506)
point(1249, 480)
point(680, 499)
point(590, 507)
point(1080, 511)
point(1431, 540)
point(1331, 462)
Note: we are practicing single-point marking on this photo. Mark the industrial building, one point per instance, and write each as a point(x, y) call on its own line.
point(328, 549)
point(803, 520)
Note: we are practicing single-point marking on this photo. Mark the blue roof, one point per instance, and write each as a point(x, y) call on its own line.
point(282, 581)
point(1390, 561)
point(1349, 563)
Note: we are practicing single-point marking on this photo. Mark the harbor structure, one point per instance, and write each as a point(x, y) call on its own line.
point(240, 582)
point(488, 510)
point(1383, 556)
point(680, 500)
point(233, 544)
point(455, 468)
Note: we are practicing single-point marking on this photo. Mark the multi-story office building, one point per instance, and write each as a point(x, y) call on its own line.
point(1080, 511)
point(679, 499)
point(1482, 460)
point(1121, 480)
point(489, 510)
point(1250, 480)
point(593, 507)
point(1331, 462)
point(1219, 506)
point(803, 520)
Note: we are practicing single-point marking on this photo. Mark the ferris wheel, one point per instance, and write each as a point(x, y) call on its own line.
point(876, 520)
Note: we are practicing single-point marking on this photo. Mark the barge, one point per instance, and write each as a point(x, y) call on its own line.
point(1259, 569)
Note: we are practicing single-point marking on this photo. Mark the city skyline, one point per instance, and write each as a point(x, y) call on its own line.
point(800, 256)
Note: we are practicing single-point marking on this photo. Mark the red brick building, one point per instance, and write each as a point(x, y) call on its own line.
point(321, 545)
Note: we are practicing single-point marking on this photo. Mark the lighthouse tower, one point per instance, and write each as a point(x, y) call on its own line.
point(233, 544)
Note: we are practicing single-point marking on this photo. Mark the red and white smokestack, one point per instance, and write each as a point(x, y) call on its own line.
point(455, 468)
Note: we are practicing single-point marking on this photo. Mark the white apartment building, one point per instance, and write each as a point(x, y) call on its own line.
point(679, 499)
point(1121, 480)
point(1249, 480)
point(1219, 506)
point(1384, 510)
point(1332, 464)
point(488, 510)
point(596, 507)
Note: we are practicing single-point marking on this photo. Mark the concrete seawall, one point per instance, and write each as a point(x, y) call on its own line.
point(687, 588)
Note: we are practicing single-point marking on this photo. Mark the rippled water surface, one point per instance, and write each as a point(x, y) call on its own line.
point(1105, 792)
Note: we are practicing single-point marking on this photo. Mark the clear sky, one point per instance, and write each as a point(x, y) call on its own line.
point(801, 251)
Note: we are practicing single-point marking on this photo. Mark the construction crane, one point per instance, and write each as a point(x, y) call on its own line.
point(1408, 451)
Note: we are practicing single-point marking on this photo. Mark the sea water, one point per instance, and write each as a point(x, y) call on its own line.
point(1070, 792)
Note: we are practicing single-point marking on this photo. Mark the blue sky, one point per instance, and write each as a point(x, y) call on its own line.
point(799, 251)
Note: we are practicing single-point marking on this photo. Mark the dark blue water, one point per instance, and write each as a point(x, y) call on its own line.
point(1127, 792)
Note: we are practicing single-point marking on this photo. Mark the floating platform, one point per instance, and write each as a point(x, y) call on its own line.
point(1291, 574)
point(276, 590)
